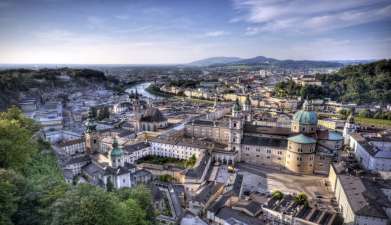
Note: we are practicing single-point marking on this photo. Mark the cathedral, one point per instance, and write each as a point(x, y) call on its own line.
point(303, 148)
point(146, 117)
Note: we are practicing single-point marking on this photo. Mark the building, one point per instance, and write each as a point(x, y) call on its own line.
point(148, 119)
point(302, 148)
point(363, 199)
point(373, 153)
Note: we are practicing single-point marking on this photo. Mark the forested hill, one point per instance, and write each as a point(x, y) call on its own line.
point(365, 83)
point(13, 81)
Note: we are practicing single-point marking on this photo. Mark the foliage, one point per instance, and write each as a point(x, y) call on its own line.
point(184, 83)
point(365, 83)
point(379, 114)
point(291, 89)
point(277, 195)
point(33, 190)
point(109, 185)
point(162, 160)
point(87, 204)
point(14, 113)
point(14, 81)
point(16, 144)
point(373, 122)
point(191, 161)
point(155, 90)
point(142, 195)
point(301, 199)
point(103, 113)
point(166, 178)
point(344, 113)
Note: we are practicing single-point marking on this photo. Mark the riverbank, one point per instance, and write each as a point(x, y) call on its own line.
point(155, 90)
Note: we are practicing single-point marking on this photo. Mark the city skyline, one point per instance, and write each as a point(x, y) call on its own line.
point(174, 32)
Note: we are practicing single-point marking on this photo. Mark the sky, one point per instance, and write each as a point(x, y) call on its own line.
point(181, 31)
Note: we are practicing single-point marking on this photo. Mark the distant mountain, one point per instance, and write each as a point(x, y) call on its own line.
point(355, 62)
point(214, 60)
point(263, 61)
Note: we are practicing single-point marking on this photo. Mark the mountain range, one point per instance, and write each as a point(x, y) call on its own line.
point(262, 60)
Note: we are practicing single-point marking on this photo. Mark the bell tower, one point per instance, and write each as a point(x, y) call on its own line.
point(349, 128)
point(247, 109)
point(91, 135)
point(116, 155)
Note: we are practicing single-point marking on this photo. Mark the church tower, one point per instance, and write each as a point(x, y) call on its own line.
point(235, 130)
point(91, 135)
point(236, 109)
point(349, 128)
point(137, 112)
point(247, 109)
point(116, 155)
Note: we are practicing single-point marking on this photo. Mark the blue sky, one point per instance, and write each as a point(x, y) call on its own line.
point(164, 31)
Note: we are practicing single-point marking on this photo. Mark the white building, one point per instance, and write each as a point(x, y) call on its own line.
point(372, 153)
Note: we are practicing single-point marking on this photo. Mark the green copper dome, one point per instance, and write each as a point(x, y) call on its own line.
point(306, 115)
point(302, 139)
point(116, 151)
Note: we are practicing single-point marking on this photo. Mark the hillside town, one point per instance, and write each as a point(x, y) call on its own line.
point(223, 151)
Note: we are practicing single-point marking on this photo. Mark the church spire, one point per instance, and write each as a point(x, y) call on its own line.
point(90, 123)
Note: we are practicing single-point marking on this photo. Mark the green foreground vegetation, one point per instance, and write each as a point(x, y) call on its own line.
point(33, 191)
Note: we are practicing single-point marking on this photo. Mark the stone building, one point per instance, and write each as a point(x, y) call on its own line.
point(147, 118)
point(303, 148)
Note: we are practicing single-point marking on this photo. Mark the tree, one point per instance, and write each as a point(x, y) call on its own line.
point(134, 213)
point(15, 114)
point(277, 195)
point(301, 199)
point(142, 196)
point(16, 145)
point(191, 161)
point(8, 198)
point(88, 205)
point(109, 185)
point(365, 113)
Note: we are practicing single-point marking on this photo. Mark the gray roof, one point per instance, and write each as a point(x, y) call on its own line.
point(255, 129)
point(153, 115)
point(207, 192)
point(236, 217)
point(237, 186)
point(264, 141)
point(197, 172)
point(135, 147)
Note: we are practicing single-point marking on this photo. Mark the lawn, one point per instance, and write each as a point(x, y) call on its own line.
point(373, 122)
point(162, 161)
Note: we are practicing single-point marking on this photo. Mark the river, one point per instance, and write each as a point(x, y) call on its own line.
point(141, 90)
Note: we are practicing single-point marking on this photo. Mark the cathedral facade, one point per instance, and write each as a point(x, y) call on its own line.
point(303, 148)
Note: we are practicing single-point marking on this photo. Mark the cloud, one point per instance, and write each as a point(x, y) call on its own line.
point(308, 15)
point(121, 17)
point(217, 33)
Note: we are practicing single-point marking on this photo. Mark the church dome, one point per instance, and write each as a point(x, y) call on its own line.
point(153, 115)
point(306, 115)
point(116, 151)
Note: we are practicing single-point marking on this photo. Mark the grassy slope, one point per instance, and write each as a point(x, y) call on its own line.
point(373, 122)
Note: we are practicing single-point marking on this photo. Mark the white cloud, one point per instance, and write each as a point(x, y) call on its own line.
point(218, 33)
point(308, 15)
